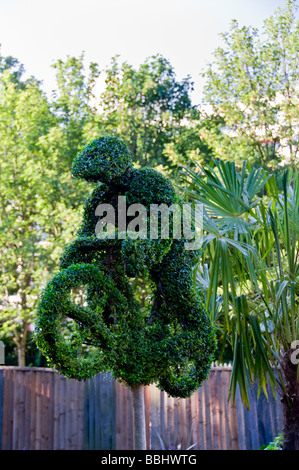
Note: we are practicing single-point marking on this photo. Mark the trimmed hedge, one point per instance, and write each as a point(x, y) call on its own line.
point(171, 342)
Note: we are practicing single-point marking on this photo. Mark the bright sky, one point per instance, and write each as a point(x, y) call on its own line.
point(38, 32)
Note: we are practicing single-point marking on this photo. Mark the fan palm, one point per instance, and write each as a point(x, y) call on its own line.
point(249, 276)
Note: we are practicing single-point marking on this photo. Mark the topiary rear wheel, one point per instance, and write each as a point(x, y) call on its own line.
point(89, 325)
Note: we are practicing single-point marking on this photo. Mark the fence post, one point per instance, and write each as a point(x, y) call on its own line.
point(2, 353)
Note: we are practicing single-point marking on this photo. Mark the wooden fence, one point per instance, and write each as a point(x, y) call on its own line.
point(40, 409)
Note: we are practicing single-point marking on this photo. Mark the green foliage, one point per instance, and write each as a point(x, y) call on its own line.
point(40, 138)
point(169, 341)
point(277, 444)
point(37, 194)
point(103, 159)
point(24, 178)
point(147, 107)
point(73, 103)
point(252, 85)
point(41, 202)
point(249, 272)
point(188, 145)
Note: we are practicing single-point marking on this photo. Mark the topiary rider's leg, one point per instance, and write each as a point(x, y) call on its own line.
point(192, 339)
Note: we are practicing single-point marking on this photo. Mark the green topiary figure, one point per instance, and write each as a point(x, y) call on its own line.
point(171, 343)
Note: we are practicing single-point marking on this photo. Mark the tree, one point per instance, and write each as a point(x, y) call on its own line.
point(37, 195)
point(253, 86)
point(250, 277)
point(171, 340)
point(25, 118)
point(147, 107)
point(187, 145)
point(73, 103)
point(13, 65)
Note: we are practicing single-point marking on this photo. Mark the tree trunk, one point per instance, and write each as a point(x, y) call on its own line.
point(20, 339)
point(21, 355)
point(139, 418)
point(290, 402)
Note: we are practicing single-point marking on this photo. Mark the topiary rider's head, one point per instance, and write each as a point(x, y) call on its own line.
point(104, 159)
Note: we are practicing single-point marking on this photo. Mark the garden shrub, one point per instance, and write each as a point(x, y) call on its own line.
point(170, 341)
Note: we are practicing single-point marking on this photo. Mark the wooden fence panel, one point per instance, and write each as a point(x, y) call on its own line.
point(258, 425)
point(40, 409)
point(99, 413)
point(124, 418)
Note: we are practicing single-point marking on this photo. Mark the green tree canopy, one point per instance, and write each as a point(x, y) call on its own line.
point(40, 202)
point(148, 107)
point(73, 103)
point(39, 138)
point(253, 86)
point(25, 178)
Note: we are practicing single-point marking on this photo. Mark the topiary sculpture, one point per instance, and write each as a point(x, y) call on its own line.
point(172, 342)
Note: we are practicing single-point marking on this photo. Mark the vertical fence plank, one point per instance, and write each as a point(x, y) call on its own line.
point(86, 415)
point(223, 405)
point(147, 405)
point(230, 412)
point(124, 418)
point(232, 419)
point(27, 395)
point(51, 378)
point(68, 414)
point(92, 415)
point(207, 406)
point(32, 406)
point(252, 417)
point(76, 417)
point(210, 410)
point(178, 424)
point(170, 421)
point(195, 418)
point(46, 418)
point(56, 420)
point(15, 388)
point(215, 410)
point(162, 414)
point(155, 416)
point(19, 411)
point(98, 416)
point(7, 415)
point(118, 427)
point(242, 431)
point(105, 406)
point(72, 386)
point(184, 421)
point(129, 419)
point(38, 415)
point(80, 444)
point(201, 419)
